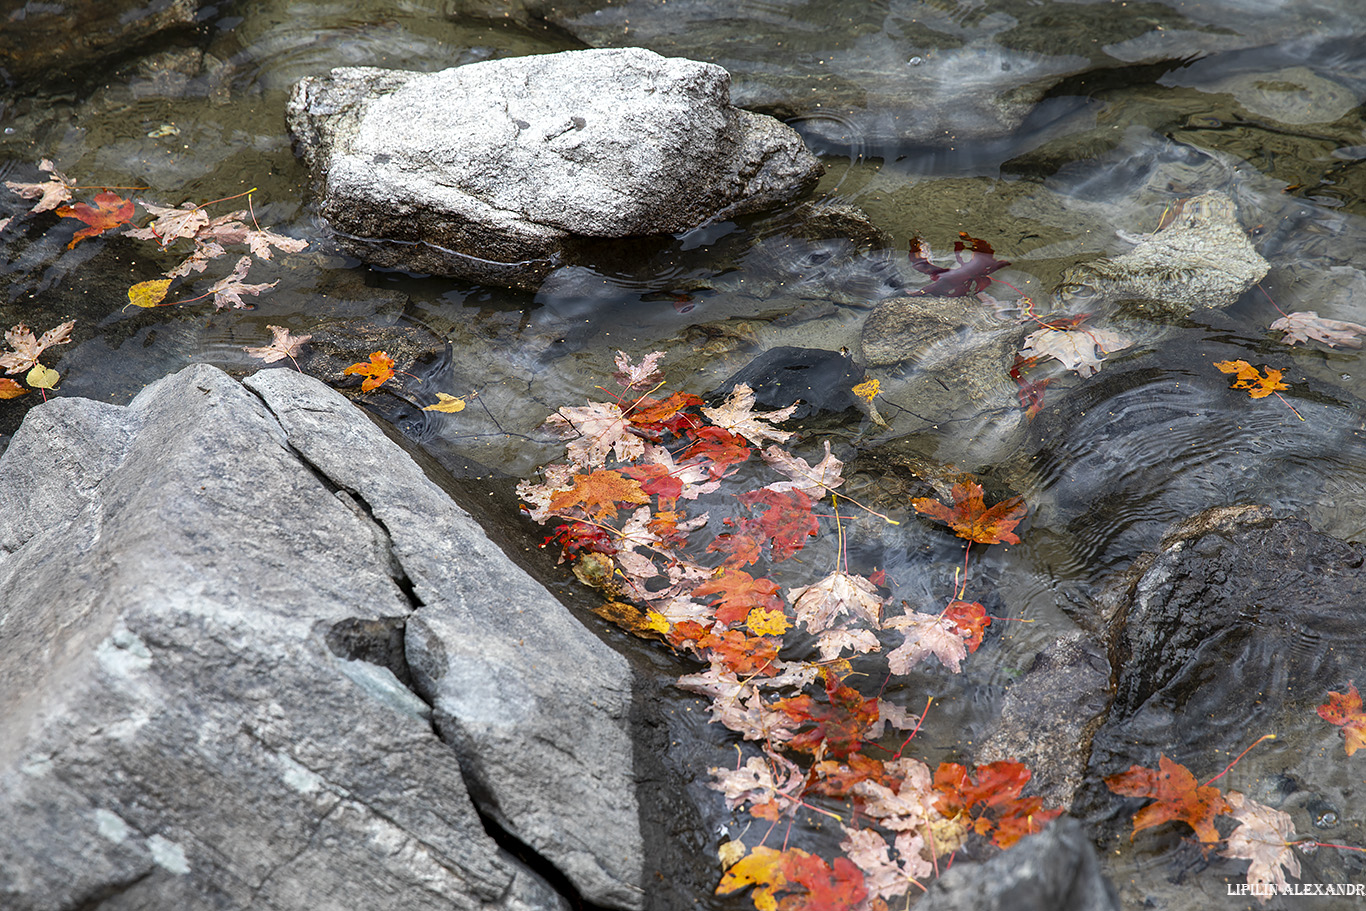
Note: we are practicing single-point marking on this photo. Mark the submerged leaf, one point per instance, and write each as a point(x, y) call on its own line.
point(449, 404)
point(109, 211)
point(1304, 325)
point(971, 519)
point(282, 345)
point(1344, 710)
point(1176, 796)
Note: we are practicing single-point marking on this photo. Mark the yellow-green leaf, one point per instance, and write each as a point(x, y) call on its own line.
point(447, 403)
point(148, 294)
point(41, 377)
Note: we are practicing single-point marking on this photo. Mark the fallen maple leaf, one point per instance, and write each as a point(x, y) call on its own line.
point(378, 370)
point(971, 519)
point(50, 194)
point(1249, 378)
point(638, 376)
point(597, 429)
point(27, 348)
point(991, 803)
point(971, 619)
point(739, 594)
point(110, 211)
point(171, 224)
point(882, 876)
point(867, 390)
point(9, 389)
point(838, 725)
point(1344, 710)
point(813, 480)
point(1176, 796)
point(1266, 837)
point(968, 276)
point(819, 604)
point(149, 293)
point(737, 415)
point(1031, 392)
point(597, 495)
point(283, 345)
point(926, 634)
point(230, 289)
point(1078, 349)
point(1304, 325)
point(786, 521)
point(446, 403)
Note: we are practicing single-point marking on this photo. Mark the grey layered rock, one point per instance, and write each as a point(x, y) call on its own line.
point(1057, 870)
point(502, 169)
point(202, 699)
point(1202, 258)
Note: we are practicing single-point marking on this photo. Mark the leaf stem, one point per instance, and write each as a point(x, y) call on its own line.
point(1240, 756)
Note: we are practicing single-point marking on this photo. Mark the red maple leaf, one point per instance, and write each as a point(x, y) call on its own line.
point(971, 619)
point(740, 548)
point(841, 722)
point(740, 593)
point(968, 276)
point(719, 446)
point(786, 520)
point(657, 480)
point(1344, 710)
point(1030, 392)
point(110, 211)
point(992, 803)
point(837, 779)
point(655, 418)
point(970, 518)
point(834, 887)
point(1176, 796)
point(576, 538)
point(744, 655)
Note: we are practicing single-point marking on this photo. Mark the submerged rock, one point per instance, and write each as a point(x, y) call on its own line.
point(206, 699)
point(1202, 258)
point(820, 380)
point(1056, 869)
point(502, 169)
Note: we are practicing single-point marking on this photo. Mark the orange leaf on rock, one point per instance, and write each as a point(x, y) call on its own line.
point(1249, 378)
point(110, 211)
point(377, 371)
point(1344, 710)
point(971, 519)
point(1176, 794)
point(598, 494)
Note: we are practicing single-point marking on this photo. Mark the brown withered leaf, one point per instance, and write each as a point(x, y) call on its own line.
point(229, 290)
point(1264, 836)
point(1080, 349)
point(50, 194)
point(282, 346)
point(170, 224)
point(27, 347)
point(1304, 325)
point(737, 415)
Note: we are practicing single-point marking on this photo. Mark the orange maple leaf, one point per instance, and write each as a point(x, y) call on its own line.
point(1249, 378)
point(1344, 710)
point(807, 882)
point(970, 518)
point(110, 211)
point(598, 494)
point(740, 593)
point(840, 724)
point(1176, 794)
point(377, 371)
point(971, 619)
point(992, 803)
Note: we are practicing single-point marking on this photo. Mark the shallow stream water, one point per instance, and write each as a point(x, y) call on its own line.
point(1048, 129)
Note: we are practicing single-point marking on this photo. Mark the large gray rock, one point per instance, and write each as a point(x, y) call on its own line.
point(202, 699)
point(501, 169)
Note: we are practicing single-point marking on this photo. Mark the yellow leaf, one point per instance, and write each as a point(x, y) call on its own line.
point(148, 294)
point(447, 403)
point(765, 622)
point(867, 389)
point(762, 868)
point(41, 377)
